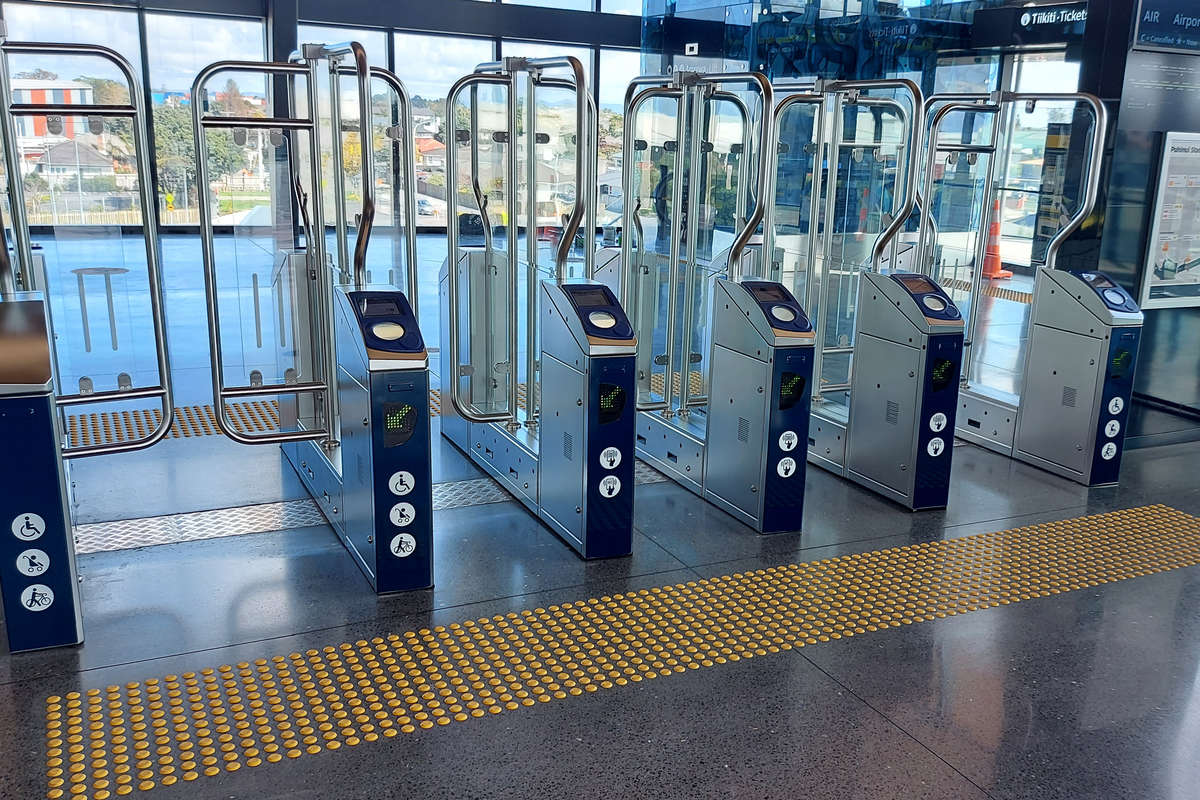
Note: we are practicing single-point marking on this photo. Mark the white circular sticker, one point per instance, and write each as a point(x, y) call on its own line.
point(403, 545)
point(937, 423)
point(788, 441)
point(33, 562)
point(1116, 405)
point(935, 447)
point(610, 486)
point(1112, 428)
point(38, 597)
point(786, 467)
point(401, 483)
point(28, 526)
point(402, 514)
point(1109, 451)
point(610, 458)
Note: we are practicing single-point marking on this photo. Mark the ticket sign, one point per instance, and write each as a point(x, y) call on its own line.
point(1172, 25)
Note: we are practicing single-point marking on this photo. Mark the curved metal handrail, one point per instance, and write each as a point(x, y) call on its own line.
point(134, 110)
point(407, 145)
point(201, 122)
point(766, 145)
point(462, 408)
point(967, 103)
point(1094, 164)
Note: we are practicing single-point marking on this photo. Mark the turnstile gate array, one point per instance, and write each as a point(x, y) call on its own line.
point(1065, 404)
point(724, 355)
point(353, 372)
point(565, 447)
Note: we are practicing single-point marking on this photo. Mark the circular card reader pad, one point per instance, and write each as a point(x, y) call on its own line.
point(388, 331)
point(602, 320)
point(934, 303)
point(783, 313)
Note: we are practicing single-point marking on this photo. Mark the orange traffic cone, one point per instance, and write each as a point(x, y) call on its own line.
point(993, 266)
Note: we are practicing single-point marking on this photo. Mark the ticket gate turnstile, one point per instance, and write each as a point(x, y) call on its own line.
point(1062, 401)
point(351, 373)
point(38, 579)
point(1083, 350)
point(538, 375)
point(577, 474)
point(762, 361)
point(904, 389)
point(386, 514)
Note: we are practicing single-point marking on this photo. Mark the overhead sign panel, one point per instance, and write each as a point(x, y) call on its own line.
point(1172, 25)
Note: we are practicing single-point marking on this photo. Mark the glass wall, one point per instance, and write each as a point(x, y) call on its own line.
point(1032, 174)
point(373, 41)
point(617, 69)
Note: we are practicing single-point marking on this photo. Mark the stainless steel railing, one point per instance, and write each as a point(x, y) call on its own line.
point(25, 275)
point(505, 74)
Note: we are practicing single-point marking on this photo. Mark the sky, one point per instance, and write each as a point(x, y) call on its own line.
point(180, 45)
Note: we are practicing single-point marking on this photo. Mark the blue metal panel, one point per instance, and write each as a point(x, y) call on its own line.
point(609, 528)
point(1118, 392)
point(403, 502)
point(939, 396)
point(790, 404)
point(37, 569)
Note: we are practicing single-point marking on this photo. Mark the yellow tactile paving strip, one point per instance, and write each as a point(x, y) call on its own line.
point(253, 416)
point(1000, 292)
point(695, 383)
point(109, 741)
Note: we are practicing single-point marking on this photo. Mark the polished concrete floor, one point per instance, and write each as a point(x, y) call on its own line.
point(1087, 694)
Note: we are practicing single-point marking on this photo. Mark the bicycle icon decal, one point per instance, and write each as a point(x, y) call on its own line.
point(37, 597)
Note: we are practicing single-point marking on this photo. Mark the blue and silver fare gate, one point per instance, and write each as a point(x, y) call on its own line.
point(888, 346)
point(552, 424)
point(38, 579)
point(1061, 400)
point(352, 371)
point(723, 406)
point(904, 389)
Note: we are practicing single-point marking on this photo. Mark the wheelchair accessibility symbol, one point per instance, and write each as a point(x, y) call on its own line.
point(28, 526)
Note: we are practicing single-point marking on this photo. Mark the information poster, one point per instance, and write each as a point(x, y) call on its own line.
point(1172, 275)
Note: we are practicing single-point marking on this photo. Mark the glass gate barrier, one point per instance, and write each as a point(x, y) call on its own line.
point(78, 164)
point(692, 172)
point(520, 155)
point(843, 182)
point(1006, 178)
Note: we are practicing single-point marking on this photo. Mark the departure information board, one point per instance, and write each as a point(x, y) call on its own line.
point(1172, 25)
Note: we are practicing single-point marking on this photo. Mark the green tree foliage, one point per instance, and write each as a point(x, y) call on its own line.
point(176, 151)
point(112, 93)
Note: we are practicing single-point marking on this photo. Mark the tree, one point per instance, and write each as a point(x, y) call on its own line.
point(112, 93)
point(37, 75)
point(352, 155)
point(176, 151)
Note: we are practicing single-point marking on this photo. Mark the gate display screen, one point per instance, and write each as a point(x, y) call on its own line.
point(942, 374)
point(917, 284)
point(399, 422)
point(791, 390)
point(612, 402)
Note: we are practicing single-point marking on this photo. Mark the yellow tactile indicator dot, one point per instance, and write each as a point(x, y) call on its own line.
point(108, 741)
point(247, 416)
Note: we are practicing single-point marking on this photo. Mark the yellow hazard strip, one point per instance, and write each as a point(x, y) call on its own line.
point(157, 732)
